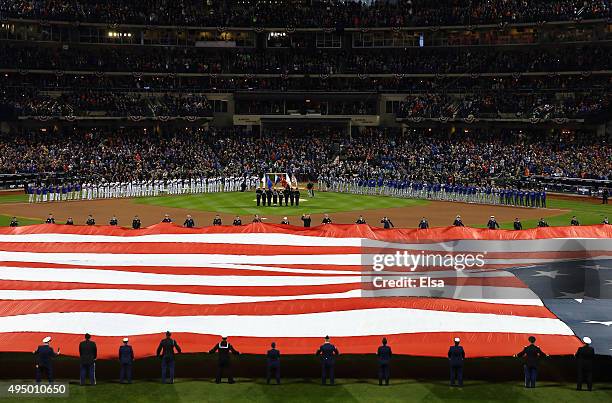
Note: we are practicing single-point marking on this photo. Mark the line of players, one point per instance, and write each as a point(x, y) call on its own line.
point(306, 219)
point(275, 197)
point(113, 190)
point(327, 352)
point(437, 191)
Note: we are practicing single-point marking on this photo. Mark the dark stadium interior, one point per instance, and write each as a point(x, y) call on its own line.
point(480, 94)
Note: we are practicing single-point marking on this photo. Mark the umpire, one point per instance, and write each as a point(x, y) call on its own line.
point(328, 353)
point(456, 356)
point(126, 360)
point(273, 364)
point(384, 354)
point(165, 350)
point(88, 353)
point(44, 356)
point(224, 348)
point(585, 356)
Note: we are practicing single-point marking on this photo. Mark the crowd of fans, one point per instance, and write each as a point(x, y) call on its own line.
point(308, 61)
point(306, 13)
point(475, 157)
point(30, 102)
point(541, 106)
point(471, 105)
point(406, 84)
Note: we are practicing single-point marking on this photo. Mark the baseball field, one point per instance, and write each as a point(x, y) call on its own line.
point(343, 208)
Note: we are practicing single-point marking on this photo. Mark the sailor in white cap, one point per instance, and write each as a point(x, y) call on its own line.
point(285, 221)
point(44, 356)
point(492, 224)
point(224, 348)
point(456, 356)
point(585, 356)
point(126, 360)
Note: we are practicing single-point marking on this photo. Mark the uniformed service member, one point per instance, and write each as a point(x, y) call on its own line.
point(166, 218)
point(291, 196)
point(386, 222)
point(606, 221)
point(517, 224)
point(328, 353)
point(532, 354)
point(217, 220)
point(306, 220)
point(274, 196)
point(256, 218)
point(69, 221)
point(574, 221)
point(384, 354)
point(326, 219)
point(360, 220)
point(113, 221)
point(14, 222)
point(224, 349)
point(90, 220)
point(273, 364)
point(50, 219)
point(189, 223)
point(296, 196)
point(458, 222)
point(126, 360)
point(492, 223)
point(258, 194)
point(585, 356)
point(165, 351)
point(237, 221)
point(423, 224)
point(88, 352)
point(456, 356)
point(542, 223)
point(269, 197)
point(44, 356)
point(285, 221)
point(136, 223)
point(286, 192)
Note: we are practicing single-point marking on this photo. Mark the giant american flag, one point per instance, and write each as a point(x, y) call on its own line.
point(263, 282)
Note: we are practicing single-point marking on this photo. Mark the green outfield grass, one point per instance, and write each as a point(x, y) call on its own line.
point(11, 197)
point(347, 390)
point(5, 221)
point(587, 213)
point(327, 202)
point(244, 203)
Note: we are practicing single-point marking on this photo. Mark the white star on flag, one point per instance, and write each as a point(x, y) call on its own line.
point(551, 274)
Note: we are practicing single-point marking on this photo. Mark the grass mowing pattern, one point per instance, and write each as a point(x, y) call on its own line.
point(244, 204)
point(346, 391)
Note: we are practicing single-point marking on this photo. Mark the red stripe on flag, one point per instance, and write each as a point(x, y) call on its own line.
point(417, 344)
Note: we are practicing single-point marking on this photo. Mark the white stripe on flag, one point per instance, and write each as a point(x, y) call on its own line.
point(346, 323)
